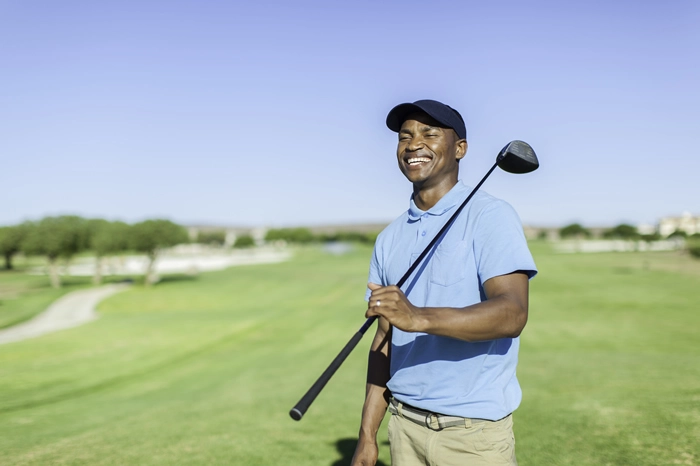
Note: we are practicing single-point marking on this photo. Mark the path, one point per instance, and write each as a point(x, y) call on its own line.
point(71, 310)
point(78, 307)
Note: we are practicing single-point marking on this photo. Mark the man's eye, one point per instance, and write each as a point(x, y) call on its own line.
point(404, 138)
point(431, 135)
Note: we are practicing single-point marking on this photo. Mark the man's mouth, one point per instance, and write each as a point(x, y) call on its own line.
point(412, 161)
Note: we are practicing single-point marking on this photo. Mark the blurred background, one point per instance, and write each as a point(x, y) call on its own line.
point(153, 147)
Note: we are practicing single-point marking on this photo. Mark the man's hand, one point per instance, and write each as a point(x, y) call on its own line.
point(390, 302)
point(502, 315)
point(366, 454)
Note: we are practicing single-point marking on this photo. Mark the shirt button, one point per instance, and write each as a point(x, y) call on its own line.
point(425, 215)
point(423, 234)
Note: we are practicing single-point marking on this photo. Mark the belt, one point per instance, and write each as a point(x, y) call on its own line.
point(433, 421)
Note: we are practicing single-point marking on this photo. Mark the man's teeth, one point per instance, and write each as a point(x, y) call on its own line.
point(418, 160)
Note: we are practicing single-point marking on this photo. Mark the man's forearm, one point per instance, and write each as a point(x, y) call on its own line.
point(373, 411)
point(502, 315)
point(488, 320)
point(376, 393)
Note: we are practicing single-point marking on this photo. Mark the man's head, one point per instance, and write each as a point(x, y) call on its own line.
point(432, 140)
point(445, 115)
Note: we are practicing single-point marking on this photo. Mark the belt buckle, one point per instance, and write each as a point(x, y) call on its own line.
point(429, 421)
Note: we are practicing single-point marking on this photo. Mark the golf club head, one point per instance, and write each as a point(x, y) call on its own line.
point(517, 157)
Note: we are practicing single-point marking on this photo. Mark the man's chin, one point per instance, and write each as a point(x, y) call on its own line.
point(416, 176)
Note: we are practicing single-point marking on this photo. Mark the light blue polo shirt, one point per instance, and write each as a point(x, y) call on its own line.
point(442, 374)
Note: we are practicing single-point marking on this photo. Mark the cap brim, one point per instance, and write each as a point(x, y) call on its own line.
point(398, 115)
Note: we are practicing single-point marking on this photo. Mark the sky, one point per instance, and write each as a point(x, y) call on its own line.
point(272, 113)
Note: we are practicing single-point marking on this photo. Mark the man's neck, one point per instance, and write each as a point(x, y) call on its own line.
point(425, 197)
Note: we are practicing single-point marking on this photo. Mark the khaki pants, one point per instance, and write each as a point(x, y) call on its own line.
point(476, 443)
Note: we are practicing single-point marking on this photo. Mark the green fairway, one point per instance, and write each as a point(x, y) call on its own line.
point(22, 296)
point(204, 370)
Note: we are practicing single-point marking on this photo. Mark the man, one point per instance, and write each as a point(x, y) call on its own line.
point(444, 356)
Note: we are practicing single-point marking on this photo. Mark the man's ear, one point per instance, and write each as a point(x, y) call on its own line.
point(460, 149)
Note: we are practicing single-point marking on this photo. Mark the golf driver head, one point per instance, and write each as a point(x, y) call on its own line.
point(517, 157)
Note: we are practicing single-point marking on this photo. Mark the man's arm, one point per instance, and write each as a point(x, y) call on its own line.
point(502, 315)
point(376, 397)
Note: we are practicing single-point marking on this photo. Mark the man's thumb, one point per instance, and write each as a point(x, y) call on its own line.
point(373, 286)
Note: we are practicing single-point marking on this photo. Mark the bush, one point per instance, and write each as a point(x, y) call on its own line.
point(244, 241)
point(622, 231)
point(350, 237)
point(574, 230)
point(694, 250)
point(291, 235)
point(693, 245)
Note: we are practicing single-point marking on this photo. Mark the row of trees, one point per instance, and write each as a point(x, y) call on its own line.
point(218, 238)
point(630, 232)
point(622, 231)
point(65, 236)
point(305, 236)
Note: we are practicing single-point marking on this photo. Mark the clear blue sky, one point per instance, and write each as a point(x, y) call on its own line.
point(272, 112)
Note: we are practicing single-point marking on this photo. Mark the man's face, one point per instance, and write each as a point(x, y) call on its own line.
point(427, 153)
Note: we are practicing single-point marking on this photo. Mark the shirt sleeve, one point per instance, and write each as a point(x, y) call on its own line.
point(375, 272)
point(500, 246)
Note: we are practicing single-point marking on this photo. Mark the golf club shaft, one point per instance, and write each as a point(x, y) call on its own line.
point(300, 408)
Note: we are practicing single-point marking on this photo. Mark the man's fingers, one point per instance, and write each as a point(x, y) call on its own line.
point(374, 311)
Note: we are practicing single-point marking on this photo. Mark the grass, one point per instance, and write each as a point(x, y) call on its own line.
point(204, 371)
point(22, 296)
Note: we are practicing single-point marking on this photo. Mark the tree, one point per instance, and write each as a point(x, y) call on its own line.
point(151, 236)
point(291, 235)
point(622, 231)
point(106, 238)
point(56, 237)
point(11, 241)
point(348, 237)
point(574, 230)
point(214, 238)
point(651, 237)
point(678, 234)
point(244, 241)
point(693, 245)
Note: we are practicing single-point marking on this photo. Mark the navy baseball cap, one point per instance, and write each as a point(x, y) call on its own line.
point(443, 114)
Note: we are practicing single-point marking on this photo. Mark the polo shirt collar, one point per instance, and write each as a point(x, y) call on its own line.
point(453, 197)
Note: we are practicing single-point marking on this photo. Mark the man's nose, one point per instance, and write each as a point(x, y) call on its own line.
point(415, 144)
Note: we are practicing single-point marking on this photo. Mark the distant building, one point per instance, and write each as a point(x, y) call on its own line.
point(646, 229)
point(686, 222)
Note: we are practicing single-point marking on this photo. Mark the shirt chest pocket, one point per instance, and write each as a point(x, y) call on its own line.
point(449, 263)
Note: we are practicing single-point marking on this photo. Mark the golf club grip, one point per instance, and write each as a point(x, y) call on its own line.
point(300, 408)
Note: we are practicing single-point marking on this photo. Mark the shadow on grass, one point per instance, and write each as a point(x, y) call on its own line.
point(346, 447)
point(163, 279)
point(177, 278)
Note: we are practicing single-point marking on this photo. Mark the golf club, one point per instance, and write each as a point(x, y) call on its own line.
point(516, 157)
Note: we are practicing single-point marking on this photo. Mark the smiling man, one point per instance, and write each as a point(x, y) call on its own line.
point(444, 356)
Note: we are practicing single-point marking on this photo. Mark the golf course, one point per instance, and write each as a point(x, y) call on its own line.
point(204, 369)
